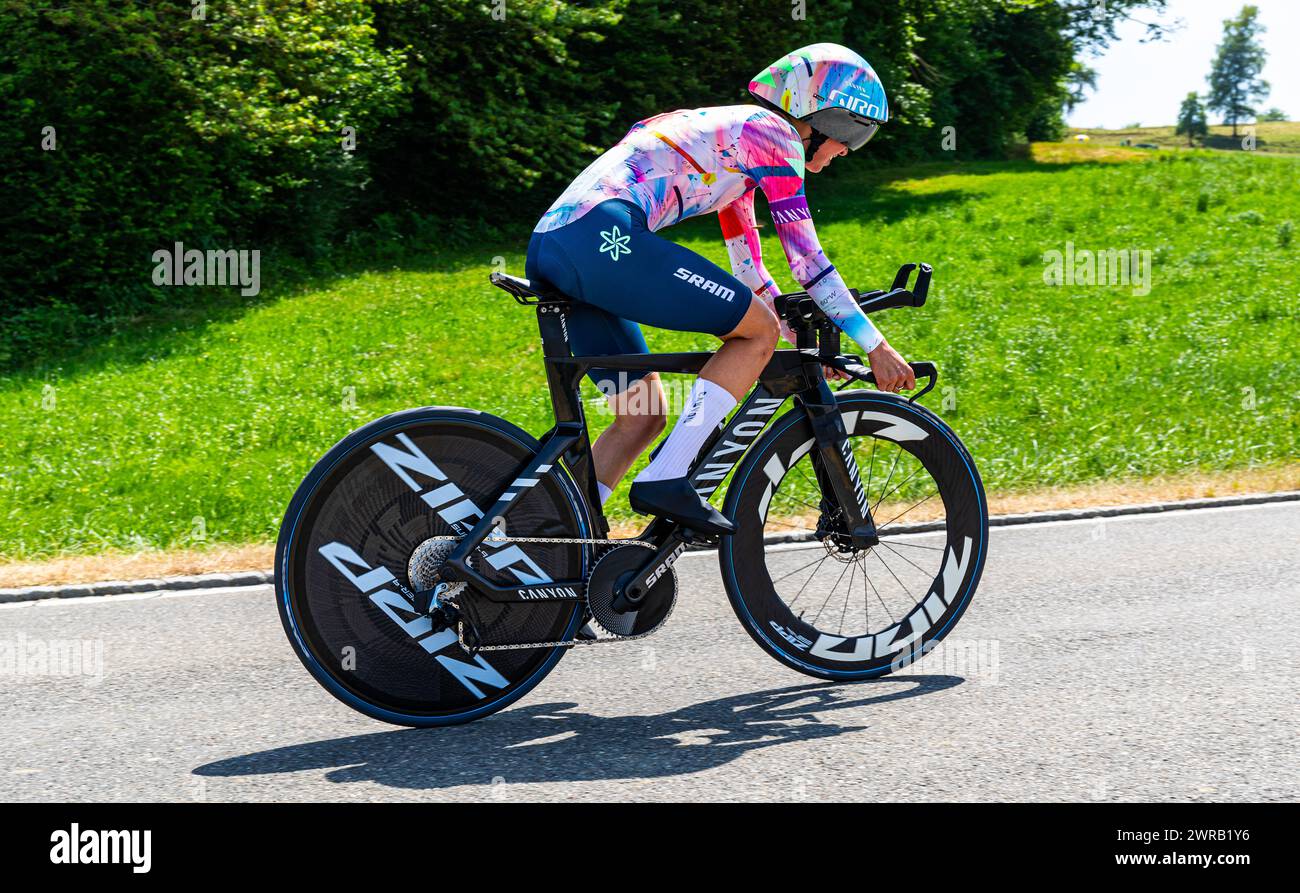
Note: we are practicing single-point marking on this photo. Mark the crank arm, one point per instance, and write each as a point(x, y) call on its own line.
point(632, 594)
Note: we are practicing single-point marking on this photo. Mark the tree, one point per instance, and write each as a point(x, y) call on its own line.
point(1191, 119)
point(1235, 84)
point(1273, 114)
point(1080, 79)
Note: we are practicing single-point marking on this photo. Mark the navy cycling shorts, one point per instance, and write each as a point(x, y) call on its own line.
point(619, 274)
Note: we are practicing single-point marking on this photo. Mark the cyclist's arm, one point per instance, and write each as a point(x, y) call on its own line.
point(740, 232)
point(776, 165)
point(808, 263)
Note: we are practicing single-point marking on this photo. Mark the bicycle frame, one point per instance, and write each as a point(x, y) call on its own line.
point(790, 373)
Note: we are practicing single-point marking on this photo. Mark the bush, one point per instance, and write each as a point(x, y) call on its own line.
point(498, 103)
point(133, 125)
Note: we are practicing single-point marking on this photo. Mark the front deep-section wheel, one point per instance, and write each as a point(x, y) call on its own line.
point(345, 553)
point(801, 588)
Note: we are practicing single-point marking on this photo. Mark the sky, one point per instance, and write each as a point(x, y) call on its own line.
point(1146, 83)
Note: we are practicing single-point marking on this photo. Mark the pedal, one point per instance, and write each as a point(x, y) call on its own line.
point(697, 538)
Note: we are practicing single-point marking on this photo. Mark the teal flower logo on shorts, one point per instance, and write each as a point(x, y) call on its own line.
point(615, 242)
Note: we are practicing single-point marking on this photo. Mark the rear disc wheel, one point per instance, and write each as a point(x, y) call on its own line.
point(345, 555)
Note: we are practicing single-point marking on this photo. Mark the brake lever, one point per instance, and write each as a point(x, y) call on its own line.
point(853, 365)
point(900, 278)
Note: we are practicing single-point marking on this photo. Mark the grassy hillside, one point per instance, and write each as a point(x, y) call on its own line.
point(196, 427)
point(1270, 137)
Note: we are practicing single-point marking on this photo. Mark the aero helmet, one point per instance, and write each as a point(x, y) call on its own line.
point(830, 87)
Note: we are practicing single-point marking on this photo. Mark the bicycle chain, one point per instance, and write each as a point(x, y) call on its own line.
point(562, 541)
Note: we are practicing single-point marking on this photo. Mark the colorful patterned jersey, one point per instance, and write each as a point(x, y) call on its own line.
point(691, 162)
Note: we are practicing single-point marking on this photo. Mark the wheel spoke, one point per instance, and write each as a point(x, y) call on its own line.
point(871, 468)
point(848, 593)
point(919, 469)
point(908, 510)
point(897, 456)
point(815, 508)
point(819, 563)
point(828, 596)
point(908, 560)
point(866, 599)
point(816, 486)
point(913, 545)
point(895, 576)
point(878, 598)
point(817, 560)
point(785, 524)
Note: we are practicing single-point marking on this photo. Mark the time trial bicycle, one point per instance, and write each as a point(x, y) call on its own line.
point(438, 562)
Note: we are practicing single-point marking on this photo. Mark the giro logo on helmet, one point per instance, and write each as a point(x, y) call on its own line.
point(856, 104)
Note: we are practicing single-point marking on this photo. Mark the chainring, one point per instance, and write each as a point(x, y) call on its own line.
point(613, 569)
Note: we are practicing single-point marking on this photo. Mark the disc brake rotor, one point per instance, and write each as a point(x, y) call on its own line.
point(613, 570)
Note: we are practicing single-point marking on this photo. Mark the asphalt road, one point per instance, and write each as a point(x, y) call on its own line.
point(1142, 658)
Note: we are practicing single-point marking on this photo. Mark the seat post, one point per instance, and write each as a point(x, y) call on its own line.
point(561, 378)
point(554, 329)
point(563, 382)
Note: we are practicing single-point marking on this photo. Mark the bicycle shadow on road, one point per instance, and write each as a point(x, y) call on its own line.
point(556, 742)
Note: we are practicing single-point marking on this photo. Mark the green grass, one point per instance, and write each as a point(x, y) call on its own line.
point(218, 413)
point(1270, 137)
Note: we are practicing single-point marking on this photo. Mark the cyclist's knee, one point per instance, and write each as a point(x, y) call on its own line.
point(758, 325)
point(639, 423)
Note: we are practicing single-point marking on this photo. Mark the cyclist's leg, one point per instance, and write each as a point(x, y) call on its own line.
point(640, 414)
point(614, 262)
point(675, 288)
point(636, 399)
point(664, 488)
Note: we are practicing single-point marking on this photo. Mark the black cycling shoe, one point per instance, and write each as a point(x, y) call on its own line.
point(676, 500)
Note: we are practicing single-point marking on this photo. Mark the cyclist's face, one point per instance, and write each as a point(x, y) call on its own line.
point(830, 149)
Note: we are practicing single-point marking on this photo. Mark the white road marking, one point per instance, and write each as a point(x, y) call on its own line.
point(784, 547)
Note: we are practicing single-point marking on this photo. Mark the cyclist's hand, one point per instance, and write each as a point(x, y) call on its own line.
point(833, 374)
point(891, 371)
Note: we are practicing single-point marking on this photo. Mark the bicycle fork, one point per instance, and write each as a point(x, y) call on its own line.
point(837, 467)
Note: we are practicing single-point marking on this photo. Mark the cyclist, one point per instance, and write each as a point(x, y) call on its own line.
point(597, 244)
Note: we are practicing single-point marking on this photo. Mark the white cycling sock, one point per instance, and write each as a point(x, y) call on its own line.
point(604, 492)
point(707, 407)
